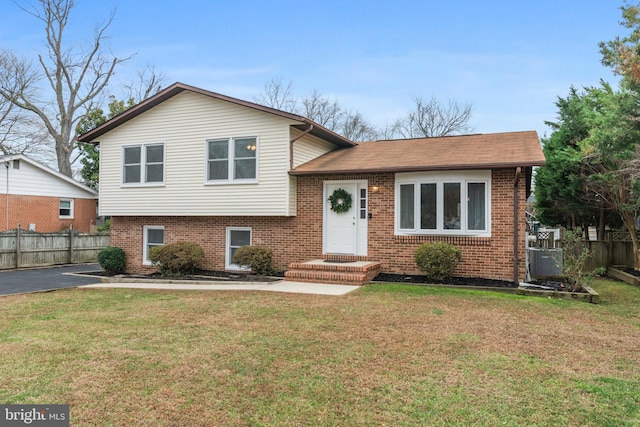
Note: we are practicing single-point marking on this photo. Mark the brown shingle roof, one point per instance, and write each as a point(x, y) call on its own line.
point(482, 151)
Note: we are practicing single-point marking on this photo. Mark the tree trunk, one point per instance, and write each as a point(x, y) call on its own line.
point(629, 221)
point(601, 225)
point(64, 159)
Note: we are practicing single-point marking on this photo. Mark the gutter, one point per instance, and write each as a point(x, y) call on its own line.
point(516, 237)
point(294, 140)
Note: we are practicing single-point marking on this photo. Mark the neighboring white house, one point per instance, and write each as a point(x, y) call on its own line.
point(37, 197)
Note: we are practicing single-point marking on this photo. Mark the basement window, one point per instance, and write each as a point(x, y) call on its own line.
point(236, 237)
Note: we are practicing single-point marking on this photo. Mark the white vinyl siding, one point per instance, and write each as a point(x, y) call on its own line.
point(443, 203)
point(185, 122)
point(30, 180)
point(308, 148)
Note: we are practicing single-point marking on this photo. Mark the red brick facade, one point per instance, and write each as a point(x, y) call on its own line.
point(44, 212)
point(299, 238)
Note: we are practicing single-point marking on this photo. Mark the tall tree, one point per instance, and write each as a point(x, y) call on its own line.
point(432, 118)
point(614, 144)
point(622, 54)
point(73, 77)
point(19, 132)
point(607, 152)
point(562, 197)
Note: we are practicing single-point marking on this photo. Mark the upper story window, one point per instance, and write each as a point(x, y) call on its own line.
point(143, 164)
point(443, 203)
point(232, 159)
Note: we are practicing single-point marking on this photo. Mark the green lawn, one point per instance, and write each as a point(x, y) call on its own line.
point(383, 355)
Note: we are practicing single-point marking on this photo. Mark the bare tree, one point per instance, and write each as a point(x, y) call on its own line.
point(277, 95)
point(356, 128)
point(148, 82)
point(322, 110)
point(20, 133)
point(74, 77)
point(431, 118)
point(319, 108)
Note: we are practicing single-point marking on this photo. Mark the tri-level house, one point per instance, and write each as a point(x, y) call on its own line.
point(192, 165)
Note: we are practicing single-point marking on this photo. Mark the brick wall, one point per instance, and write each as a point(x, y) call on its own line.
point(44, 212)
point(295, 239)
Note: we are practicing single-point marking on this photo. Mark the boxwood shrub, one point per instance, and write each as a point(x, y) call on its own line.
point(258, 258)
point(438, 260)
point(177, 259)
point(112, 260)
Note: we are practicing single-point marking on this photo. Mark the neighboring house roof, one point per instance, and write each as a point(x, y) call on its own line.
point(481, 151)
point(177, 88)
point(46, 169)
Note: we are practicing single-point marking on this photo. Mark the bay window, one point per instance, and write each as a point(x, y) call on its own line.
point(444, 203)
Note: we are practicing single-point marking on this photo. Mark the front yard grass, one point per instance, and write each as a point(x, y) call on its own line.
point(383, 355)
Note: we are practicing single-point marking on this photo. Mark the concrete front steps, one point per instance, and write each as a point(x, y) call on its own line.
point(333, 271)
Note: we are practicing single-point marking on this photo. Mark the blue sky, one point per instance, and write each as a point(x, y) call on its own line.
point(509, 59)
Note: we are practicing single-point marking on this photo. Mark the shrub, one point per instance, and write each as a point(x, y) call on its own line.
point(600, 271)
point(111, 259)
point(438, 260)
point(106, 226)
point(177, 259)
point(575, 257)
point(257, 257)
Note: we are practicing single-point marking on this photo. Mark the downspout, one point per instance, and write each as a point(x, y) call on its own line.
point(294, 140)
point(516, 238)
point(6, 165)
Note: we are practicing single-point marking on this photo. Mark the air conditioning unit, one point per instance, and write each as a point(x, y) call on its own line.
point(545, 262)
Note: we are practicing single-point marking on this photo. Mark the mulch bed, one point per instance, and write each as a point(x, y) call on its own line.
point(631, 271)
point(460, 281)
point(203, 275)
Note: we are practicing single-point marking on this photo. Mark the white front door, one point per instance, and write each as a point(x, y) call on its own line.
point(345, 232)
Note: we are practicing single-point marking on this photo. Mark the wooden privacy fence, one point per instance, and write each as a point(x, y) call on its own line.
point(607, 253)
point(20, 248)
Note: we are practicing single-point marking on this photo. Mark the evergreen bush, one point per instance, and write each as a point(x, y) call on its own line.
point(257, 257)
point(438, 260)
point(177, 259)
point(112, 260)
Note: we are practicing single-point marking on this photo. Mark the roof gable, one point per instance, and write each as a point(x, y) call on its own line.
point(47, 170)
point(176, 88)
point(481, 151)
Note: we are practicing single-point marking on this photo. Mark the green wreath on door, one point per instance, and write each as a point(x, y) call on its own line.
point(340, 201)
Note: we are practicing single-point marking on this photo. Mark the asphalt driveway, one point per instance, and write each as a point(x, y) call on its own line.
point(45, 279)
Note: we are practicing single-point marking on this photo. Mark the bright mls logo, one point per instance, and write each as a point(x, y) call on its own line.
point(34, 415)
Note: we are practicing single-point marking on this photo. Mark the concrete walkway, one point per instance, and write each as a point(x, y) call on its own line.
point(279, 286)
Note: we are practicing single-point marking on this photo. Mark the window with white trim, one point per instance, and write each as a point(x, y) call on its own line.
point(443, 203)
point(236, 237)
point(153, 236)
point(66, 208)
point(143, 164)
point(232, 159)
